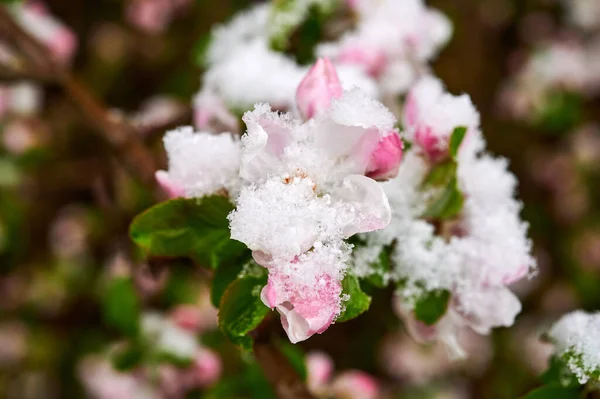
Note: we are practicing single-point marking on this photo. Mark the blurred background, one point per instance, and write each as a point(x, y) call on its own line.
point(70, 279)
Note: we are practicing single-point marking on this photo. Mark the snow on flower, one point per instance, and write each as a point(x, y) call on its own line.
point(308, 192)
point(476, 255)
point(245, 41)
point(576, 338)
point(200, 163)
point(393, 41)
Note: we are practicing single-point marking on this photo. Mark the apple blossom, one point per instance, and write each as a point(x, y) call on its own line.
point(309, 179)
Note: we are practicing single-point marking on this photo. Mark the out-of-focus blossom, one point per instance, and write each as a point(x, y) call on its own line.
point(13, 343)
point(210, 110)
point(584, 13)
point(422, 362)
point(200, 163)
point(349, 384)
point(35, 18)
point(20, 99)
point(104, 382)
point(391, 37)
point(69, 233)
point(22, 135)
point(154, 16)
point(157, 111)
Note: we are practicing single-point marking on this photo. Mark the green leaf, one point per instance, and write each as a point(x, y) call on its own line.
point(295, 356)
point(201, 49)
point(562, 112)
point(447, 201)
point(558, 372)
point(224, 275)
point(193, 228)
point(121, 306)
point(241, 309)
point(358, 302)
point(554, 391)
point(129, 357)
point(456, 140)
point(430, 308)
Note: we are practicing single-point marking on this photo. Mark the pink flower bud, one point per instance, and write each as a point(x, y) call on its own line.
point(170, 188)
point(434, 147)
point(373, 61)
point(207, 367)
point(356, 384)
point(319, 367)
point(385, 160)
point(318, 88)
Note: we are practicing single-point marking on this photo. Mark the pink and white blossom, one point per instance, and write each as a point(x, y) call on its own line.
point(309, 178)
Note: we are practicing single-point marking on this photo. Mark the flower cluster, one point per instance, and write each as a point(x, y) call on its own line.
point(577, 342)
point(306, 180)
point(473, 255)
point(386, 51)
point(175, 364)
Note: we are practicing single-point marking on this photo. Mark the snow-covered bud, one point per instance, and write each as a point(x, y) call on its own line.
point(431, 115)
point(385, 160)
point(318, 88)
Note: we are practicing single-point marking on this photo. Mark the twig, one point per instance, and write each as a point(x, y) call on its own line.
point(117, 132)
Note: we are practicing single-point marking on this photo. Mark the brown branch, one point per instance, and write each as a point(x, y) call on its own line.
point(285, 381)
point(117, 132)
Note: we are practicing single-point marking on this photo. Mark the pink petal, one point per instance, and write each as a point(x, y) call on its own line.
point(434, 147)
point(318, 88)
point(305, 308)
point(370, 204)
point(385, 160)
point(172, 189)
